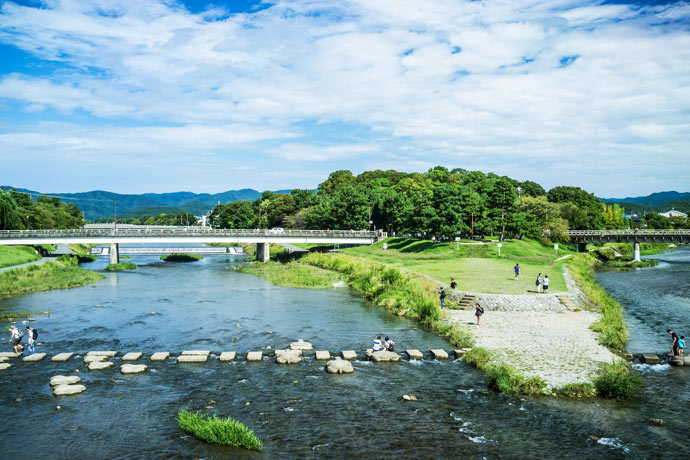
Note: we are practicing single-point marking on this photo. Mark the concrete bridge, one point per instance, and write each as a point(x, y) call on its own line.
point(146, 235)
point(635, 236)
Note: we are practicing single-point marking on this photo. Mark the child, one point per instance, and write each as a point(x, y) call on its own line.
point(377, 345)
point(389, 344)
point(545, 283)
point(681, 345)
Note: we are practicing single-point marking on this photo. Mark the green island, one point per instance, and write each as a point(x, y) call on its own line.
point(217, 430)
point(181, 257)
point(120, 266)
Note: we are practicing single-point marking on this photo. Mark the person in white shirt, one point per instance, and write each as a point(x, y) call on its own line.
point(378, 345)
point(16, 339)
point(30, 339)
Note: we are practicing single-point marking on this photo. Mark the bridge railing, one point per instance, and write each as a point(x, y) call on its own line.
point(185, 232)
point(626, 232)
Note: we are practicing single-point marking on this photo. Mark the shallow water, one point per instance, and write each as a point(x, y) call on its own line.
point(298, 411)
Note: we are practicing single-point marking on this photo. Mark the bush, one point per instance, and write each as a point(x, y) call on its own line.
point(616, 382)
point(576, 390)
point(456, 335)
point(121, 266)
point(180, 257)
point(507, 380)
point(478, 357)
point(225, 431)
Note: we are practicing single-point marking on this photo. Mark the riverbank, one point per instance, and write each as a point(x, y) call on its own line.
point(17, 255)
point(63, 273)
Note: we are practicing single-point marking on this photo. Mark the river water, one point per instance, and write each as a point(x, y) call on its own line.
point(301, 411)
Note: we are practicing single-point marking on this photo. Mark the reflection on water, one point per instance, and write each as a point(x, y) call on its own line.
point(298, 411)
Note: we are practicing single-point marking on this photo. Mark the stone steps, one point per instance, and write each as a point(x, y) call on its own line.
point(567, 301)
point(467, 301)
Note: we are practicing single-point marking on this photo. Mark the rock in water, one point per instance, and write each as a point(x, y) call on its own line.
point(676, 361)
point(133, 368)
point(160, 356)
point(4, 366)
point(349, 354)
point(288, 356)
point(254, 356)
point(656, 421)
point(64, 380)
point(323, 355)
point(88, 359)
point(131, 356)
point(62, 357)
point(227, 356)
point(109, 354)
point(382, 356)
point(97, 365)
point(440, 354)
point(63, 390)
point(33, 358)
point(339, 366)
point(414, 354)
point(300, 345)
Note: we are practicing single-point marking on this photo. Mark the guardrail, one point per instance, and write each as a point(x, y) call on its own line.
point(628, 232)
point(186, 231)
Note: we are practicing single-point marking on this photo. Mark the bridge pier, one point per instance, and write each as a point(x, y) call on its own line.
point(263, 253)
point(114, 253)
point(636, 251)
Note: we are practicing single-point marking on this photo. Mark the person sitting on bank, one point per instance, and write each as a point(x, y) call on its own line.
point(377, 345)
point(388, 344)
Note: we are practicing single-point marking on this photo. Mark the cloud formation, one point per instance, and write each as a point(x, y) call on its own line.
point(560, 92)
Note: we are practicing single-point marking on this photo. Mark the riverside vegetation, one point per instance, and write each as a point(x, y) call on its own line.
point(180, 257)
point(120, 266)
point(18, 255)
point(216, 430)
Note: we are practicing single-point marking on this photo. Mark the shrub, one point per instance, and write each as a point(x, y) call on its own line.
point(616, 381)
point(121, 266)
point(217, 430)
point(478, 357)
point(458, 336)
point(507, 380)
point(576, 390)
point(180, 257)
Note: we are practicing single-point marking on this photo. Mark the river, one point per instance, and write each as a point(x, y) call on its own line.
point(300, 411)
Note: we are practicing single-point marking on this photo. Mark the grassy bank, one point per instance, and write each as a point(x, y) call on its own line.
point(83, 251)
point(294, 274)
point(225, 431)
point(121, 266)
point(17, 255)
point(475, 267)
point(181, 257)
point(62, 274)
point(503, 377)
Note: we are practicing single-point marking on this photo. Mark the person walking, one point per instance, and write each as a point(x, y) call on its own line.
point(517, 271)
point(545, 283)
point(30, 339)
point(16, 339)
point(478, 312)
point(681, 345)
point(674, 342)
point(538, 282)
point(442, 296)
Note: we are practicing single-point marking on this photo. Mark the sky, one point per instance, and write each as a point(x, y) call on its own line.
point(136, 96)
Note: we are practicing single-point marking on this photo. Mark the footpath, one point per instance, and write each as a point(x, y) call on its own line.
point(36, 262)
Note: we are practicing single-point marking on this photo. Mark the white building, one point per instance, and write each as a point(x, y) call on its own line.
point(673, 213)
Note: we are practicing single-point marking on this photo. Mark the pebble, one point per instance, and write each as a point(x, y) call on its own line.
point(656, 421)
point(58, 407)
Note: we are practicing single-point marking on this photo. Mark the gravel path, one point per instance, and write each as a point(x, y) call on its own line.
point(556, 346)
point(35, 262)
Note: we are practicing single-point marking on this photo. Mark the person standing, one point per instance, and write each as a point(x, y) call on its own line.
point(453, 284)
point(478, 312)
point(545, 283)
point(538, 282)
point(674, 344)
point(30, 339)
point(442, 296)
point(681, 345)
point(517, 271)
point(16, 339)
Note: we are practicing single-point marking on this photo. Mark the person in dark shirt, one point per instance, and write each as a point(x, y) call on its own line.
point(453, 284)
point(442, 297)
point(674, 338)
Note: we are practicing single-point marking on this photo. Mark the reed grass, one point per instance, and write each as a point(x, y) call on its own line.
point(616, 381)
point(216, 430)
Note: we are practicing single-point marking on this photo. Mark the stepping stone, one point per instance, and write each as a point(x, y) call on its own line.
point(192, 358)
point(131, 356)
point(650, 358)
point(9, 354)
point(439, 354)
point(4, 359)
point(323, 355)
point(133, 368)
point(227, 356)
point(88, 359)
point(288, 356)
point(64, 380)
point(109, 354)
point(414, 354)
point(98, 365)
point(300, 345)
point(254, 356)
point(34, 358)
point(676, 361)
point(339, 366)
point(62, 357)
point(461, 352)
point(64, 390)
point(349, 354)
point(160, 356)
point(196, 353)
point(4, 366)
point(383, 356)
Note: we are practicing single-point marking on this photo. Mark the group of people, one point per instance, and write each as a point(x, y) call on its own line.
point(542, 282)
point(387, 345)
point(16, 339)
point(678, 343)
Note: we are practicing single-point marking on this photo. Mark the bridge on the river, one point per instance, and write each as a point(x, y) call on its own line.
point(635, 236)
point(147, 235)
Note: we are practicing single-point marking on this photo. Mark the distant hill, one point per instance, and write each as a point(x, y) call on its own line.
point(98, 203)
point(655, 199)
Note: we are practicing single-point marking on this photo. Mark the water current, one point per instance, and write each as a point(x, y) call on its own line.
point(301, 411)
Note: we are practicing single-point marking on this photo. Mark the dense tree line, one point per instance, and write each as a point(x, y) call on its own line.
point(19, 211)
point(181, 218)
point(440, 202)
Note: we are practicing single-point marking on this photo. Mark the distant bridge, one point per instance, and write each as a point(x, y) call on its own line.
point(635, 236)
point(143, 235)
point(149, 250)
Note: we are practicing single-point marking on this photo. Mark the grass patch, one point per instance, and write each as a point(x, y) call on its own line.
point(616, 381)
point(212, 429)
point(294, 274)
point(83, 252)
point(611, 326)
point(121, 266)
point(456, 335)
point(576, 390)
point(12, 316)
point(17, 255)
point(64, 273)
point(503, 377)
point(181, 257)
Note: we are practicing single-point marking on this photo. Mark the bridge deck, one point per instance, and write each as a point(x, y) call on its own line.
point(630, 236)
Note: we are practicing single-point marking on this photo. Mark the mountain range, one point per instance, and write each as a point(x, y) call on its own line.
point(656, 202)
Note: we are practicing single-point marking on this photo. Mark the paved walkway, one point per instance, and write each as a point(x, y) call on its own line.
point(35, 262)
point(291, 248)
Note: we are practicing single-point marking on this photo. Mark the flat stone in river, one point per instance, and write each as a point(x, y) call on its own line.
point(88, 359)
point(650, 358)
point(349, 354)
point(414, 354)
point(227, 356)
point(4, 366)
point(192, 358)
point(160, 356)
point(439, 354)
point(62, 357)
point(9, 354)
point(301, 345)
point(64, 390)
point(288, 356)
point(98, 365)
point(323, 355)
point(64, 380)
point(339, 366)
point(33, 358)
point(383, 356)
point(255, 356)
point(131, 356)
point(133, 368)
point(4, 359)
point(196, 353)
point(109, 353)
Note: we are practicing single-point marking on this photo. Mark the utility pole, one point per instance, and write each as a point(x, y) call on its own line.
point(472, 230)
point(115, 226)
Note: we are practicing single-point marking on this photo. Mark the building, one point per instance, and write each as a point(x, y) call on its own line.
point(673, 213)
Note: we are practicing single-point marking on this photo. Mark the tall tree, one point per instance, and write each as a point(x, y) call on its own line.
point(9, 212)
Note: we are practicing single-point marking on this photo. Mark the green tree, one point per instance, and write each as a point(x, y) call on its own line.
point(335, 180)
point(587, 216)
point(9, 212)
point(657, 221)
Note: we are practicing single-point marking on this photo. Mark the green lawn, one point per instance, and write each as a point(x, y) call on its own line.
point(16, 255)
point(476, 268)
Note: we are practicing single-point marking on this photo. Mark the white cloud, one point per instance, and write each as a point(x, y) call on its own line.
point(488, 84)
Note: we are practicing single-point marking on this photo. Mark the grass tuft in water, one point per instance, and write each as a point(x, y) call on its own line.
point(294, 274)
point(616, 381)
point(576, 390)
point(215, 430)
point(503, 377)
point(181, 257)
point(118, 267)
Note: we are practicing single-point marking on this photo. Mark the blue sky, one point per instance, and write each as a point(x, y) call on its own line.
point(158, 95)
